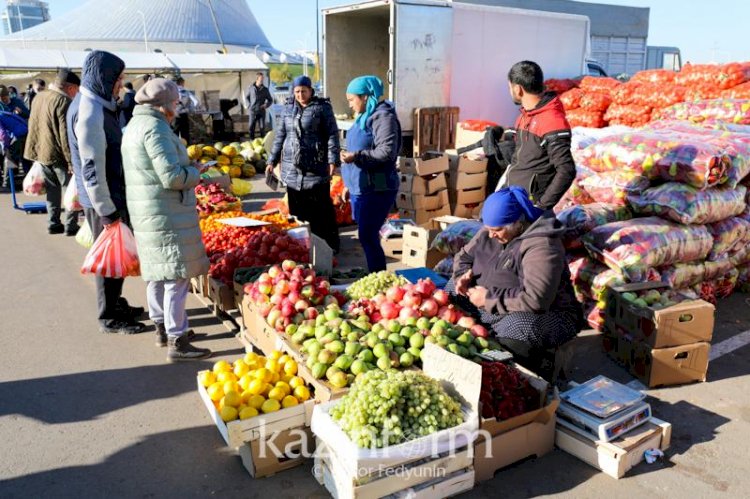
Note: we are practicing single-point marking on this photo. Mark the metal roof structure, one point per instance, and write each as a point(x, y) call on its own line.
point(148, 26)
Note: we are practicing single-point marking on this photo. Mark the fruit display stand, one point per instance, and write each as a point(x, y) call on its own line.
point(440, 464)
point(256, 333)
point(247, 435)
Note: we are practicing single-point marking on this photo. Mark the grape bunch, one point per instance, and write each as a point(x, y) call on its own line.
point(372, 284)
point(391, 407)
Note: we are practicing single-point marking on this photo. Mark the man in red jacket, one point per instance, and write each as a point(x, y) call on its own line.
point(542, 163)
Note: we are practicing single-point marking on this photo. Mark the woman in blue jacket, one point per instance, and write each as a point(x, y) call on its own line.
point(369, 163)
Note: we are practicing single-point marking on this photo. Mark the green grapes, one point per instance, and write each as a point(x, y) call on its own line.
point(372, 284)
point(391, 407)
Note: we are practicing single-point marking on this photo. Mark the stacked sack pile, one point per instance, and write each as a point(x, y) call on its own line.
point(665, 202)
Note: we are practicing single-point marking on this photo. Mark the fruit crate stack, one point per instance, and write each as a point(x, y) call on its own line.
point(423, 188)
point(467, 186)
point(437, 464)
point(417, 250)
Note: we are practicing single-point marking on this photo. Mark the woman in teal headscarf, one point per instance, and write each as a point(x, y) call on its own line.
point(369, 163)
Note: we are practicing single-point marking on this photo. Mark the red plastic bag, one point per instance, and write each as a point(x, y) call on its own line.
point(114, 253)
point(477, 125)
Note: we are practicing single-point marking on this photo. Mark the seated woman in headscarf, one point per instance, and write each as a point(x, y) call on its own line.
point(514, 278)
point(369, 163)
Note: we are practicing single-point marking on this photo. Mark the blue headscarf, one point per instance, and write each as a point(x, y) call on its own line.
point(302, 81)
point(507, 205)
point(372, 87)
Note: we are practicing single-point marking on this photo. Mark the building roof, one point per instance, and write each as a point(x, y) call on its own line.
point(181, 21)
point(606, 20)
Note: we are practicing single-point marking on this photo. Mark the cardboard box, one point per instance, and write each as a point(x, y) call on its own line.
point(258, 332)
point(424, 216)
point(409, 201)
point(199, 285)
point(423, 167)
point(221, 294)
point(460, 181)
point(393, 247)
point(659, 366)
point(467, 197)
point(416, 258)
point(460, 163)
point(687, 322)
point(292, 445)
point(416, 250)
point(467, 137)
point(617, 457)
point(464, 211)
point(530, 434)
point(422, 185)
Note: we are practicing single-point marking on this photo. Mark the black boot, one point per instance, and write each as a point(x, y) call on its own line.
point(117, 326)
point(180, 349)
point(161, 335)
point(128, 312)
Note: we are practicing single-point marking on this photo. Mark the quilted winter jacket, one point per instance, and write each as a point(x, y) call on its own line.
point(161, 200)
point(306, 153)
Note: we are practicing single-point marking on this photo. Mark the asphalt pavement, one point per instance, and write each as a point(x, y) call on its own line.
point(84, 414)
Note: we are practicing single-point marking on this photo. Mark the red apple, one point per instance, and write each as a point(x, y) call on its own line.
point(265, 278)
point(266, 288)
point(311, 313)
point(301, 305)
point(307, 291)
point(288, 265)
point(466, 322)
point(265, 309)
point(479, 331)
point(379, 299)
point(287, 310)
point(277, 298)
point(274, 271)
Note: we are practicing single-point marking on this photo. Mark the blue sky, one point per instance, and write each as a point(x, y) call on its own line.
point(705, 31)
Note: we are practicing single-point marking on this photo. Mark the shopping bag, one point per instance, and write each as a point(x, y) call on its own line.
point(114, 253)
point(70, 201)
point(33, 182)
point(84, 236)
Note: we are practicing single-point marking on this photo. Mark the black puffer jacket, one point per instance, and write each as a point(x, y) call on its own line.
point(306, 142)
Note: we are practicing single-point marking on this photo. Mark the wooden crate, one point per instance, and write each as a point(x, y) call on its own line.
point(442, 476)
point(323, 390)
point(435, 129)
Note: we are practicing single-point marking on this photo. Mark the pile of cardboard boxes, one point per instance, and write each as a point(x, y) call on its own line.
point(664, 347)
point(467, 186)
point(423, 188)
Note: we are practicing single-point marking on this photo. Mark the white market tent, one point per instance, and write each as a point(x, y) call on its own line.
point(228, 73)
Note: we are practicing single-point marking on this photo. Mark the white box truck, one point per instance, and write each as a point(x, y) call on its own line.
point(439, 53)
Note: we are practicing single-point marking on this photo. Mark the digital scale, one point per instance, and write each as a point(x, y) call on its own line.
point(496, 355)
point(602, 409)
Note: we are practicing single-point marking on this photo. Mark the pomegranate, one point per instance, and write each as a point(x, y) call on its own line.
point(425, 287)
point(408, 313)
point(441, 297)
point(429, 308)
point(466, 322)
point(389, 310)
point(395, 294)
point(411, 299)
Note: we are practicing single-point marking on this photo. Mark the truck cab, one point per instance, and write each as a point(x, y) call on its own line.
point(663, 58)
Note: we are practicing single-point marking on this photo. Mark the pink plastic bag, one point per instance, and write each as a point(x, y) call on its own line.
point(114, 253)
point(33, 182)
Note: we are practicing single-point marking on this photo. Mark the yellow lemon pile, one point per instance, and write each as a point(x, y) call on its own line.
point(253, 385)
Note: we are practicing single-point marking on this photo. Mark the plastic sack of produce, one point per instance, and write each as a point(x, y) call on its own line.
point(730, 110)
point(579, 220)
point(595, 101)
point(584, 136)
point(114, 253)
point(685, 275)
point(594, 315)
point(33, 182)
point(614, 187)
point(560, 86)
point(583, 270)
point(70, 200)
point(574, 196)
point(685, 204)
point(84, 236)
point(241, 187)
point(720, 76)
point(741, 257)
point(654, 76)
point(585, 118)
point(654, 95)
point(634, 115)
point(455, 236)
point(636, 247)
point(743, 279)
point(717, 288)
point(445, 266)
point(739, 92)
point(571, 99)
point(730, 235)
point(599, 84)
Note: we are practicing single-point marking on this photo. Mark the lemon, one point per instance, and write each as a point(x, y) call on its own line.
point(207, 378)
point(251, 359)
point(289, 401)
point(284, 359)
point(248, 412)
point(256, 401)
point(275, 377)
point(267, 389)
point(270, 405)
point(232, 386)
point(290, 368)
point(302, 393)
point(232, 398)
point(287, 389)
point(256, 386)
point(240, 368)
point(222, 366)
point(296, 381)
point(273, 365)
point(275, 355)
point(277, 394)
point(286, 378)
point(244, 381)
point(216, 391)
point(228, 413)
point(225, 376)
point(263, 374)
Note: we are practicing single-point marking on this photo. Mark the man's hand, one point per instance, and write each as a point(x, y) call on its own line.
point(477, 296)
point(347, 157)
point(462, 283)
point(269, 169)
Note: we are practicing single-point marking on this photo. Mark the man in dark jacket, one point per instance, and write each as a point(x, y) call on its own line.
point(542, 163)
point(37, 88)
point(513, 276)
point(127, 104)
point(307, 146)
point(47, 144)
point(258, 100)
point(95, 136)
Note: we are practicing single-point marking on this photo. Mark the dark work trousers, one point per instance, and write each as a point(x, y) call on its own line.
point(257, 118)
point(55, 178)
point(370, 211)
point(182, 127)
point(108, 289)
point(315, 206)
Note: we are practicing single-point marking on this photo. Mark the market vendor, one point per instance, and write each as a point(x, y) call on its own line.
point(369, 163)
point(514, 278)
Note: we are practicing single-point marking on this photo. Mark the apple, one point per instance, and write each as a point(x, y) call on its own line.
point(307, 291)
point(273, 316)
point(466, 322)
point(248, 288)
point(287, 309)
point(330, 300)
point(479, 331)
point(311, 313)
point(266, 288)
point(282, 287)
point(276, 299)
point(380, 298)
point(288, 265)
point(274, 271)
point(265, 309)
point(301, 305)
point(295, 286)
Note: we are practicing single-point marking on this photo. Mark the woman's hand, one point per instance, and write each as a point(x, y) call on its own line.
point(462, 283)
point(477, 296)
point(347, 157)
